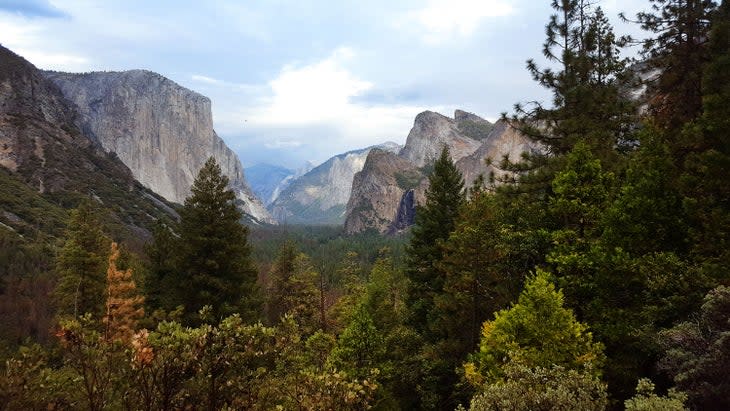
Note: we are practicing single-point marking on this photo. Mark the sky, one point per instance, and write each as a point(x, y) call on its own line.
point(298, 80)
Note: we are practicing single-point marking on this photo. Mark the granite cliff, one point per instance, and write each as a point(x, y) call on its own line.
point(163, 132)
point(47, 164)
point(502, 141)
point(377, 191)
point(430, 133)
point(387, 190)
point(320, 196)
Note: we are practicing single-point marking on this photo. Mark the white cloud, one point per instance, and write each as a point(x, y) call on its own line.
point(276, 144)
point(442, 20)
point(24, 37)
point(206, 79)
point(312, 94)
point(317, 102)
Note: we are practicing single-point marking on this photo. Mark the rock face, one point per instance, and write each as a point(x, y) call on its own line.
point(387, 190)
point(502, 141)
point(377, 191)
point(406, 215)
point(430, 133)
point(320, 196)
point(163, 132)
point(44, 155)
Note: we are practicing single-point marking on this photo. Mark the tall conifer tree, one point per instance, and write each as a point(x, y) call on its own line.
point(214, 262)
point(81, 265)
point(677, 51)
point(434, 222)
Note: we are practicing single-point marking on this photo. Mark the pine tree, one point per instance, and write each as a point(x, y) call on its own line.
point(123, 303)
point(81, 264)
point(476, 282)
point(161, 253)
point(214, 266)
point(704, 181)
point(678, 51)
point(434, 222)
point(587, 103)
point(293, 290)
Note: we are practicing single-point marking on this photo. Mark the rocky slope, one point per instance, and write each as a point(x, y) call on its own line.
point(430, 133)
point(377, 191)
point(163, 132)
point(47, 164)
point(501, 141)
point(321, 195)
point(385, 193)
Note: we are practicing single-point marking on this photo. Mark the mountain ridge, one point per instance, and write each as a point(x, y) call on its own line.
point(162, 131)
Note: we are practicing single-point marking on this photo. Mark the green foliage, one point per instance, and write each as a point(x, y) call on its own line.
point(292, 289)
point(360, 347)
point(326, 246)
point(94, 361)
point(587, 103)
point(542, 388)
point(677, 48)
point(703, 183)
point(213, 264)
point(697, 353)
point(647, 215)
point(537, 331)
point(408, 179)
point(82, 266)
point(477, 130)
point(434, 222)
point(646, 400)
point(28, 383)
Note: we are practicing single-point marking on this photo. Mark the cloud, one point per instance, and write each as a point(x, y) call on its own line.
point(326, 94)
point(278, 144)
point(316, 109)
point(442, 20)
point(32, 8)
point(206, 79)
point(312, 93)
point(24, 36)
point(227, 85)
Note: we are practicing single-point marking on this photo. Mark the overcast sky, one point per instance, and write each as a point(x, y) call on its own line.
point(298, 80)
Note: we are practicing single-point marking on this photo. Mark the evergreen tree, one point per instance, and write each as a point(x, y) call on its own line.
point(587, 102)
point(434, 222)
point(161, 252)
point(537, 331)
point(697, 353)
point(678, 51)
point(214, 266)
point(360, 347)
point(123, 303)
point(81, 265)
point(476, 282)
point(704, 180)
point(293, 291)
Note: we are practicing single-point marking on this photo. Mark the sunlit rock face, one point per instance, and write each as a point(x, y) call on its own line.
point(388, 189)
point(430, 133)
point(162, 131)
point(377, 191)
